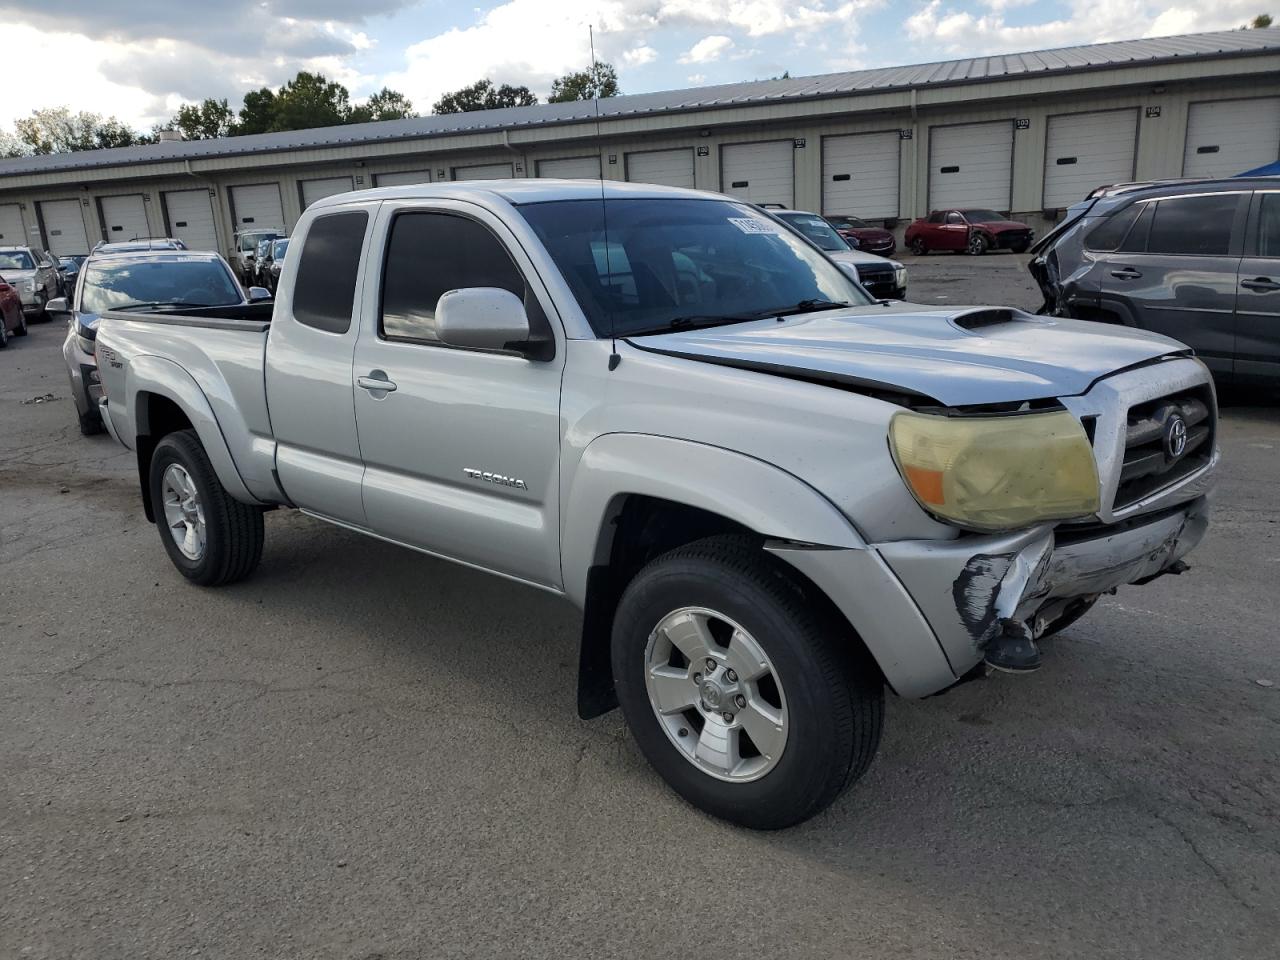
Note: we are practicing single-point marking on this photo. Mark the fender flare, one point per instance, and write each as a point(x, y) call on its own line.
point(758, 495)
point(165, 378)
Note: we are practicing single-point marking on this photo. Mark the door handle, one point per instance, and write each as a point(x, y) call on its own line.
point(1126, 273)
point(376, 384)
point(1260, 283)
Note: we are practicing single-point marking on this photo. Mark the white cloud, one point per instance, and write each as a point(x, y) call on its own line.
point(697, 78)
point(639, 56)
point(1088, 21)
point(708, 49)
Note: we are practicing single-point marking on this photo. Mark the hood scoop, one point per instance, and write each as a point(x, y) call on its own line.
point(988, 317)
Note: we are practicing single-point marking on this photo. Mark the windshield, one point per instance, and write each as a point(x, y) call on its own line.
point(16, 260)
point(817, 230)
point(981, 216)
point(669, 262)
point(278, 248)
point(851, 223)
point(117, 285)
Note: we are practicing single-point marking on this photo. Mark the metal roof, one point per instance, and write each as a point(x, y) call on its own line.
point(1096, 56)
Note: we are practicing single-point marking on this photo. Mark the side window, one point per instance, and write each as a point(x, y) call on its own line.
point(1109, 234)
point(935, 218)
point(324, 288)
point(431, 253)
point(1269, 226)
point(1197, 226)
point(1136, 239)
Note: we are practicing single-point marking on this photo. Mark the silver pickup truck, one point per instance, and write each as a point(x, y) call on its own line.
point(771, 496)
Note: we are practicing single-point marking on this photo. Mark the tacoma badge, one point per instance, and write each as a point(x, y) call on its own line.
point(495, 478)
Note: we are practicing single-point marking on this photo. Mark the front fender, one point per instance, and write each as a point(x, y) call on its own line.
point(758, 495)
point(152, 374)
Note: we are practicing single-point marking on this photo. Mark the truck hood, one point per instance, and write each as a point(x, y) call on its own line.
point(13, 277)
point(856, 257)
point(956, 356)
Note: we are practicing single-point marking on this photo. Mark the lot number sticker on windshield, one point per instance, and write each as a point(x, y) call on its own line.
point(752, 225)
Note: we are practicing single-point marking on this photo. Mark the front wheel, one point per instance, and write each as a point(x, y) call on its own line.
point(978, 245)
point(918, 246)
point(90, 423)
point(21, 330)
point(752, 703)
point(211, 537)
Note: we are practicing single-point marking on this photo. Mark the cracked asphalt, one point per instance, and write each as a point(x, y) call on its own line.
point(364, 753)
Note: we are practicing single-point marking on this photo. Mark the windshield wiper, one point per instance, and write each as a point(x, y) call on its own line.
point(699, 321)
point(156, 304)
point(806, 306)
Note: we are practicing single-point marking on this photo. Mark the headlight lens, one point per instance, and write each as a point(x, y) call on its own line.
point(899, 275)
point(87, 345)
point(997, 473)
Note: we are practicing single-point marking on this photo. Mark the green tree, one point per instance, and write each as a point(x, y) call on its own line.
point(310, 100)
point(1260, 22)
point(601, 80)
point(258, 113)
point(58, 130)
point(386, 104)
point(11, 146)
point(206, 120)
point(483, 95)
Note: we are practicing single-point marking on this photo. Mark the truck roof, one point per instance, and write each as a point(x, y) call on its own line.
point(518, 191)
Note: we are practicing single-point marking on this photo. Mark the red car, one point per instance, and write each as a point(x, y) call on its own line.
point(875, 240)
point(12, 319)
point(973, 231)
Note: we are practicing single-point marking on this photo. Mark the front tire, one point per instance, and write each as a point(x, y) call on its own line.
point(211, 537)
point(977, 245)
point(748, 699)
point(90, 423)
point(918, 246)
point(21, 331)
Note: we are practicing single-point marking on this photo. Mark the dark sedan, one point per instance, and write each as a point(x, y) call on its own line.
point(863, 235)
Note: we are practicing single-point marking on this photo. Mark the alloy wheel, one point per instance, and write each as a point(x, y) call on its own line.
point(183, 512)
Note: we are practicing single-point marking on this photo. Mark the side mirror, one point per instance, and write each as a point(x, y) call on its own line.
point(487, 318)
point(258, 294)
point(57, 307)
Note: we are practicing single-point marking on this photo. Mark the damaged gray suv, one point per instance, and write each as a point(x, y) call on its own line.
point(1195, 260)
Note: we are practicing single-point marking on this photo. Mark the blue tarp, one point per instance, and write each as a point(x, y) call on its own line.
point(1268, 170)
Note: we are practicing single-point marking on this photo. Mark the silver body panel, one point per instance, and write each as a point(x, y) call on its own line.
point(519, 467)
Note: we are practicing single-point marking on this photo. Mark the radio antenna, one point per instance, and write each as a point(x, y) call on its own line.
point(614, 357)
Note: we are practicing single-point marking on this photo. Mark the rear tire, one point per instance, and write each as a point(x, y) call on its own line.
point(815, 703)
point(221, 539)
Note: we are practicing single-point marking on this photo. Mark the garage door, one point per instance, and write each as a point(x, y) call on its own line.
point(189, 217)
point(759, 172)
point(971, 165)
point(860, 175)
point(63, 227)
point(11, 232)
point(257, 206)
point(1231, 136)
point(483, 171)
point(571, 168)
point(1087, 150)
point(313, 190)
point(670, 168)
point(123, 218)
point(402, 178)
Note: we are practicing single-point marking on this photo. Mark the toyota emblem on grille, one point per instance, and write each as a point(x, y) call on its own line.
point(1175, 437)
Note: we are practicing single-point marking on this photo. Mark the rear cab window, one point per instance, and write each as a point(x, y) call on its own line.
point(324, 290)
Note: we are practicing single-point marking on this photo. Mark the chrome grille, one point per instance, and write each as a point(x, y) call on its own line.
point(1152, 459)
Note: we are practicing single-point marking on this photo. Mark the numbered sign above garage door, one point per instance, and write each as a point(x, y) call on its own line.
point(402, 177)
point(11, 232)
point(63, 224)
point(670, 168)
point(123, 218)
point(189, 217)
point(1087, 150)
point(860, 175)
point(483, 171)
point(257, 206)
point(571, 168)
point(971, 165)
point(759, 172)
point(313, 190)
point(1226, 137)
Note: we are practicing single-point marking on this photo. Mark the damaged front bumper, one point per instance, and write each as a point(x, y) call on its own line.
point(965, 587)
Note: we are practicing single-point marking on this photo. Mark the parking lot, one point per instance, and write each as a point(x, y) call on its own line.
point(366, 753)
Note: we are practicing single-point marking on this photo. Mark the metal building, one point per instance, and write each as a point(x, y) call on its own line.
point(1025, 133)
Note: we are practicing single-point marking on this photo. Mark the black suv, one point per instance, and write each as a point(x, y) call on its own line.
point(1195, 260)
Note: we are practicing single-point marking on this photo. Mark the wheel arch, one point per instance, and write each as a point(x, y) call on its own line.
point(163, 398)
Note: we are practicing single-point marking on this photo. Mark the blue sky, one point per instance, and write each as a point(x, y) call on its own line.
point(140, 59)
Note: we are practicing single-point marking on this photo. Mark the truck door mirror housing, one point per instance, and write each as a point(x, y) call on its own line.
point(57, 307)
point(485, 318)
point(257, 294)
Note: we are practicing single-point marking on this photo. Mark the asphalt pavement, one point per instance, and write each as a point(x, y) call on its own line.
point(364, 753)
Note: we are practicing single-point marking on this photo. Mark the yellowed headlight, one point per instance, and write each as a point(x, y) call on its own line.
point(997, 473)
